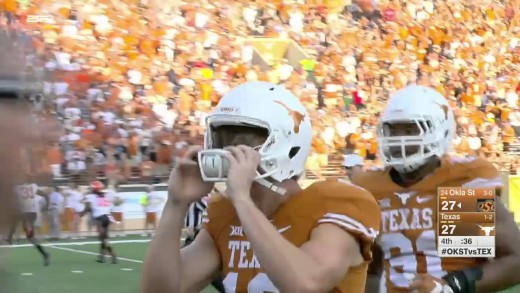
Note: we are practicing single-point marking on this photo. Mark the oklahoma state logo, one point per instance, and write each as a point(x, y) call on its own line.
point(486, 205)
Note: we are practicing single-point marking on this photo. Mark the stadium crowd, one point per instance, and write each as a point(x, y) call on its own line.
point(132, 81)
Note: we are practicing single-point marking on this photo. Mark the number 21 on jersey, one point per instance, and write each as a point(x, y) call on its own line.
point(406, 260)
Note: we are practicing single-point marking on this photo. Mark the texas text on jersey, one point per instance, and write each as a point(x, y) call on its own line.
point(409, 216)
point(349, 207)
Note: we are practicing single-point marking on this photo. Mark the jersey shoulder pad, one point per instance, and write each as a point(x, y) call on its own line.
point(220, 211)
point(462, 160)
point(351, 208)
point(481, 173)
point(339, 189)
point(367, 178)
point(375, 168)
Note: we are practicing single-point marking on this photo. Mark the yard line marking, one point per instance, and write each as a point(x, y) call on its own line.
point(77, 272)
point(127, 269)
point(93, 253)
point(76, 243)
point(26, 274)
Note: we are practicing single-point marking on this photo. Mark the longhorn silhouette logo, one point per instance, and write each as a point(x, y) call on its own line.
point(295, 115)
point(404, 196)
point(487, 230)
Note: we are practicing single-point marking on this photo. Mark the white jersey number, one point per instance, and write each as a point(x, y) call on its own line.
point(27, 192)
point(102, 202)
point(406, 260)
point(259, 284)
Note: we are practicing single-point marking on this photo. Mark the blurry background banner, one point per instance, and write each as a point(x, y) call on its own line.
point(271, 51)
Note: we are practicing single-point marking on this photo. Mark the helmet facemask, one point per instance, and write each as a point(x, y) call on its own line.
point(406, 145)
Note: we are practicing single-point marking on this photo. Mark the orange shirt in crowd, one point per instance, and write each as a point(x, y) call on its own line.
point(319, 146)
point(361, 148)
point(54, 156)
point(9, 5)
point(164, 154)
point(372, 146)
point(508, 134)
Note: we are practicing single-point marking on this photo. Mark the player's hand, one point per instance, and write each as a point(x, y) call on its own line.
point(424, 283)
point(185, 184)
point(243, 163)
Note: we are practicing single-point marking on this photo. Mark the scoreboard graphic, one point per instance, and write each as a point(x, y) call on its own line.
point(466, 222)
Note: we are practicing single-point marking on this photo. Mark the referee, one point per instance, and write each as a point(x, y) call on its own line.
point(193, 222)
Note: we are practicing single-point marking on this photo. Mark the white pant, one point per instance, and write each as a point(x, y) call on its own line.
point(56, 170)
point(54, 223)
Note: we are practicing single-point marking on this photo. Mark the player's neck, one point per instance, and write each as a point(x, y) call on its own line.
point(411, 178)
point(269, 201)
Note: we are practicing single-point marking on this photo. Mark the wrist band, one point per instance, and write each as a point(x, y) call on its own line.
point(464, 281)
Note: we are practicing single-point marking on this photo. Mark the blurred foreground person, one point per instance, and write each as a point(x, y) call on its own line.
point(16, 131)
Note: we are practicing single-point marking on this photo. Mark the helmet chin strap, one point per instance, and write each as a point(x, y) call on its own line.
point(404, 168)
point(273, 187)
point(265, 183)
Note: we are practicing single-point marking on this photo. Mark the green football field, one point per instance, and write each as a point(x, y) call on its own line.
point(74, 268)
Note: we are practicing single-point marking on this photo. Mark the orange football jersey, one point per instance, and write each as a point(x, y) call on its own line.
point(409, 218)
point(347, 206)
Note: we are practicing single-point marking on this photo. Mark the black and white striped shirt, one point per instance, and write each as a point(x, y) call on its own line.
point(195, 213)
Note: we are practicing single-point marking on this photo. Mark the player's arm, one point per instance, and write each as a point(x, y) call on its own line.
point(168, 268)
point(503, 272)
point(87, 209)
point(39, 191)
point(317, 266)
point(375, 270)
point(43, 203)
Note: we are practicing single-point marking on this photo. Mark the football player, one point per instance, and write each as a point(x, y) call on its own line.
point(29, 204)
point(100, 206)
point(264, 233)
point(414, 135)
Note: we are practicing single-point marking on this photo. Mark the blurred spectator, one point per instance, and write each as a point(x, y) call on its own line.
point(56, 201)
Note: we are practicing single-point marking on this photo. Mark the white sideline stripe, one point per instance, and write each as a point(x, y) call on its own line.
point(93, 253)
point(75, 243)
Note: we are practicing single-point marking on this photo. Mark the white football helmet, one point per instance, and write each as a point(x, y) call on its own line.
point(266, 106)
point(427, 128)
